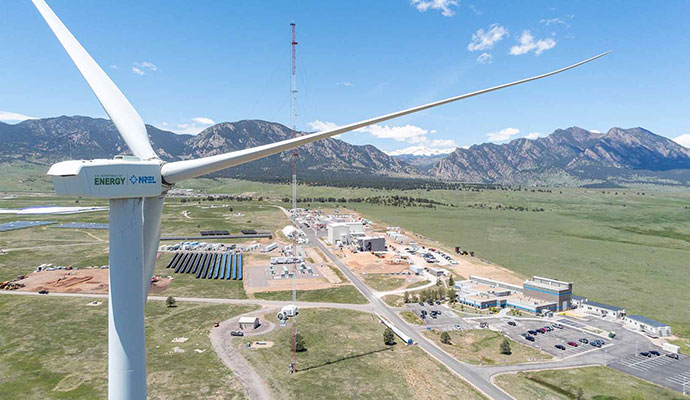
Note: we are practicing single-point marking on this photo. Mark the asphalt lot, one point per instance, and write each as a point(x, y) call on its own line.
point(547, 341)
point(444, 322)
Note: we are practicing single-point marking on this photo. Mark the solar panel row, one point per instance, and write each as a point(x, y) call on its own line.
point(82, 225)
point(14, 225)
point(208, 265)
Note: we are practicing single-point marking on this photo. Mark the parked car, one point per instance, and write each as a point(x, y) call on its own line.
point(559, 346)
point(583, 340)
point(512, 323)
point(421, 303)
point(532, 332)
point(438, 303)
point(541, 330)
point(573, 344)
point(236, 333)
point(548, 328)
point(654, 353)
point(672, 355)
point(529, 338)
point(595, 343)
point(645, 354)
point(558, 326)
point(43, 292)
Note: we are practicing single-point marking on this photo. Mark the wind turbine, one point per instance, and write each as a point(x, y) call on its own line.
point(135, 187)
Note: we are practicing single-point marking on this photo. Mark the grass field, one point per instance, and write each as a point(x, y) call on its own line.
point(394, 300)
point(346, 357)
point(383, 283)
point(597, 383)
point(338, 294)
point(481, 346)
point(618, 246)
point(57, 348)
point(411, 318)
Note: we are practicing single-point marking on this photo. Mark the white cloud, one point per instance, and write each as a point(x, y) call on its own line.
point(12, 116)
point(534, 135)
point(444, 5)
point(197, 125)
point(486, 40)
point(594, 131)
point(502, 135)
point(554, 21)
point(683, 140)
point(420, 151)
point(407, 133)
point(113, 66)
point(320, 126)
point(344, 83)
point(485, 58)
point(526, 43)
point(141, 68)
point(475, 9)
point(203, 121)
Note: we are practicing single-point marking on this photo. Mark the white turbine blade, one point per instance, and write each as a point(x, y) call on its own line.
point(176, 171)
point(124, 116)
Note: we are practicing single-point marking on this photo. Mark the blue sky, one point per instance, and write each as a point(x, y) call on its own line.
point(186, 64)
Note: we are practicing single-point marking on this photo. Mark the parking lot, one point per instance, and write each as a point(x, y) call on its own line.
point(547, 341)
point(447, 320)
point(660, 369)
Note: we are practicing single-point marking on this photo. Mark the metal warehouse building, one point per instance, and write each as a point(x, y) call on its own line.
point(599, 309)
point(249, 322)
point(647, 325)
point(372, 244)
point(549, 290)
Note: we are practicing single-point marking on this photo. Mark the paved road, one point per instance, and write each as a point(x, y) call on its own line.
point(472, 374)
point(268, 303)
point(228, 353)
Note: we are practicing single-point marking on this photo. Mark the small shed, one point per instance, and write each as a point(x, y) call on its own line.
point(249, 322)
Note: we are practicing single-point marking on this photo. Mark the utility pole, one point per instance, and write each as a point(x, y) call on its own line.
point(293, 117)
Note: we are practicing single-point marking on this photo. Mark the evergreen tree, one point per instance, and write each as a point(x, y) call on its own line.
point(299, 343)
point(445, 338)
point(505, 347)
point(170, 301)
point(388, 337)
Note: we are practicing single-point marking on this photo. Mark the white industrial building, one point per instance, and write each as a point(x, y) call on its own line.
point(398, 237)
point(647, 325)
point(599, 309)
point(249, 322)
point(369, 243)
point(340, 231)
point(416, 269)
point(439, 271)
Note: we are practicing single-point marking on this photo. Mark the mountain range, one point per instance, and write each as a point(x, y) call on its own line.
point(571, 156)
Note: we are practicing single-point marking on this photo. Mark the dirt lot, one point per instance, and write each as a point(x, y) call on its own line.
point(366, 262)
point(369, 263)
point(77, 281)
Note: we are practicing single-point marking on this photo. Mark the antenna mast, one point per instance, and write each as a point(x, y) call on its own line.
point(293, 104)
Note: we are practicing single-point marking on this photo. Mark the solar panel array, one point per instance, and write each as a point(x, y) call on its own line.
point(214, 233)
point(14, 225)
point(83, 225)
point(208, 265)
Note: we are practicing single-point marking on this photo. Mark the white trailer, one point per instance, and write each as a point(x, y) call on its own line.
point(398, 332)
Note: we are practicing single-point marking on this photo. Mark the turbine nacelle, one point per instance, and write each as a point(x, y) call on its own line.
point(120, 178)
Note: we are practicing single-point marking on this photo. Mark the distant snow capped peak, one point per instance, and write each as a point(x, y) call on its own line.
point(420, 151)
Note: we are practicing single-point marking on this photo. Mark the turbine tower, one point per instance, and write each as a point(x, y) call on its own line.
point(135, 187)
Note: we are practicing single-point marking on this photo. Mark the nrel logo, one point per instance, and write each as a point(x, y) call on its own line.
point(109, 180)
point(142, 179)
